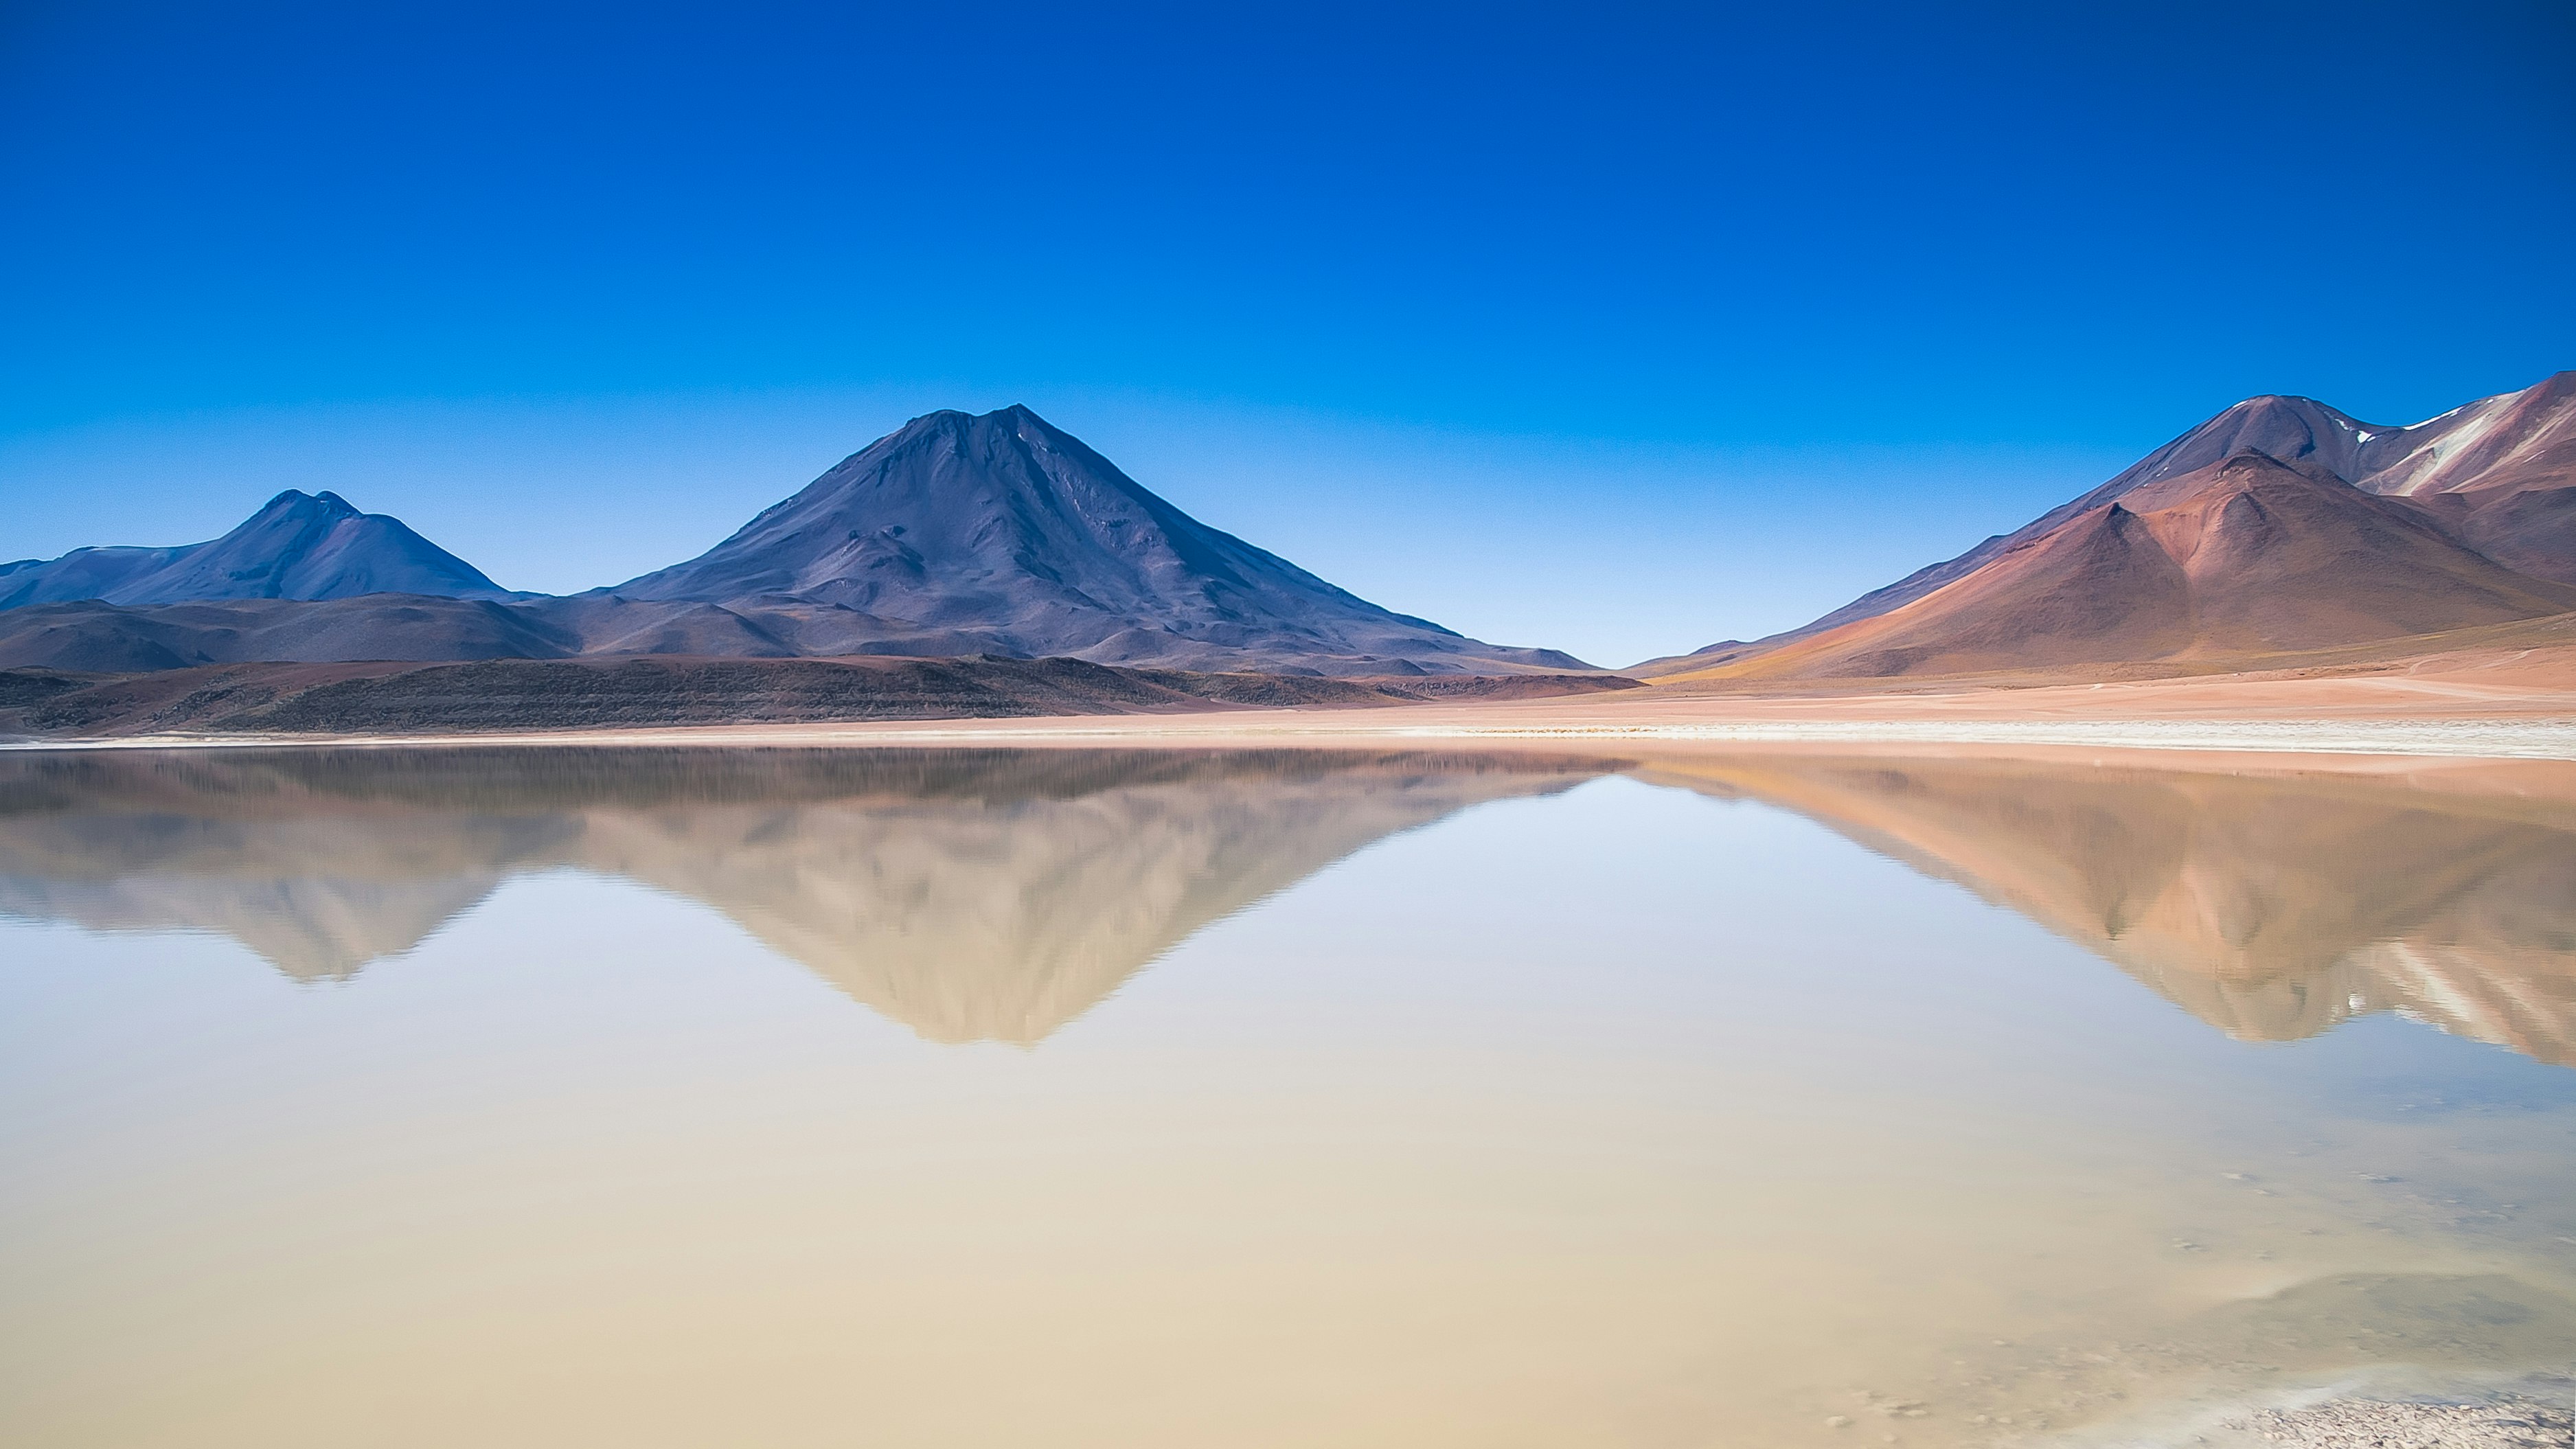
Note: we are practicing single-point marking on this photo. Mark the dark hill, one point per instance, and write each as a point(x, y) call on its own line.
point(518, 695)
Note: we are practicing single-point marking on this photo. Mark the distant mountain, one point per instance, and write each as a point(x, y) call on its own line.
point(93, 637)
point(96, 638)
point(299, 546)
point(2279, 524)
point(1006, 526)
point(956, 535)
point(2248, 556)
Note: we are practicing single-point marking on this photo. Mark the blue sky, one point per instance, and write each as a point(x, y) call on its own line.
point(1616, 328)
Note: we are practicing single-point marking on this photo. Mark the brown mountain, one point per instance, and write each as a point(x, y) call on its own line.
point(2244, 557)
point(2500, 474)
point(2279, 525)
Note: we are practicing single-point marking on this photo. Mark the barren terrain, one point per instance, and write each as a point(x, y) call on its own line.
point(2503, 699)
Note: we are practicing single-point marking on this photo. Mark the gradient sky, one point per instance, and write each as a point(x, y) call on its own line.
point(1614, 328)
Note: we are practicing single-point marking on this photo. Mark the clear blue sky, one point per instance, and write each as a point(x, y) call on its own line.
point(1617, 328)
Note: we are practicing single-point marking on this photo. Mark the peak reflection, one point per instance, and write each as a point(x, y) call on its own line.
point(971, 895)
point(2270, 906)
point(996, 895)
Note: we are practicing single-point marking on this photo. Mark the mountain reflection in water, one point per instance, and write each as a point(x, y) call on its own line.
point(1660, 1112)
point(970, 895)
point(997, 895)
point(2270, 906)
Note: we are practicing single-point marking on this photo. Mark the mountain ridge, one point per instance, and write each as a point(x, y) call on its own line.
point(2243, 557)
point(298, 546)
point(958, 534)
point(2493, 480)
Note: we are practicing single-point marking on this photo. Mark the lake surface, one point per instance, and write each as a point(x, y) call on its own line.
point(563, 1097)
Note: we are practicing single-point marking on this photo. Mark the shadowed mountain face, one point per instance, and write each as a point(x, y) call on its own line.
point(971, 895)
point(2270, 908)
point(91, 636)
point(299, 546)
point(1004, 525)
point(2495, 479)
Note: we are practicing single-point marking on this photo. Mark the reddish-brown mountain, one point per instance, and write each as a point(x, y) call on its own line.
point(2279, 525)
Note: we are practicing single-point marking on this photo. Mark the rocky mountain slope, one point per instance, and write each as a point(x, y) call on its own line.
point(2245, 557)
point(2279, 524)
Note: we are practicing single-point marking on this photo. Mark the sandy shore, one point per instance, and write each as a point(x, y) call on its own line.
point(2488, 712)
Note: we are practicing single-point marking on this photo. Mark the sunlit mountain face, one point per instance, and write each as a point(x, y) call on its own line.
point(2279, 525)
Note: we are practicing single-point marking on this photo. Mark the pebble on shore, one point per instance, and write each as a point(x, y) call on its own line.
point(2512, 1421)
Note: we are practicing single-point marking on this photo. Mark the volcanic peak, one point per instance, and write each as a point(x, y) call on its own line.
point(1003, 523)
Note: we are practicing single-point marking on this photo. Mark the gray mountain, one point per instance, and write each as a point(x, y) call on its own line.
point(297, 546)
point(2497, 475)
point(954, 536)
point(1006, 526)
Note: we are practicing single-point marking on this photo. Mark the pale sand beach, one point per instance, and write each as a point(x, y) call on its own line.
point(2505, 708)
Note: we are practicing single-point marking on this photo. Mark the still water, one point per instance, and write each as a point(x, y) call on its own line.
point(1085, 1098)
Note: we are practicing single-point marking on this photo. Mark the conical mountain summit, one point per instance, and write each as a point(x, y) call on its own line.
point(1006, 525)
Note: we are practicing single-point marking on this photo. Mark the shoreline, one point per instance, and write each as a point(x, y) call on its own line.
point(2513, 706)
point(2359, 1408)
point(2505, 704)
point(2439, 738)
